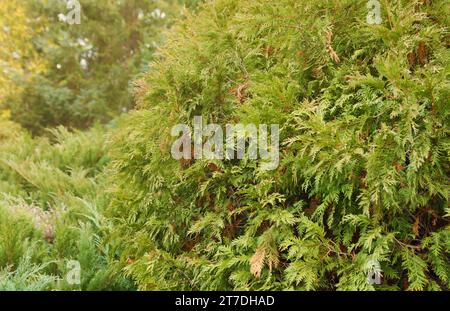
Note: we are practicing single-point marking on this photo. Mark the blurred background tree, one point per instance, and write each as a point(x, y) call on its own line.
point(80, 74)
point(17, 55)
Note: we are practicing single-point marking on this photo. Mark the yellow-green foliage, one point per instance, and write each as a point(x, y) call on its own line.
point(364, 153)
point(17, 54)
point(16, 232)
point(364, 172)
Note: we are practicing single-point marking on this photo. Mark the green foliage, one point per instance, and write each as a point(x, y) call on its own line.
point(89, 67)
point(364, 172)
point(364, 147)
point(26, 277)
point(16, 231)
point(51, 206)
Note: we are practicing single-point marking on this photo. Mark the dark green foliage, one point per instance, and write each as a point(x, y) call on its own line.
point(364, 172)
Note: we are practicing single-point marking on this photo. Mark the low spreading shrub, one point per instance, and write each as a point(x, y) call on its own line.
point(51, 211)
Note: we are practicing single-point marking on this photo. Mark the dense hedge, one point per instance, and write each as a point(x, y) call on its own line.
point(52, 197)
point(364, 172)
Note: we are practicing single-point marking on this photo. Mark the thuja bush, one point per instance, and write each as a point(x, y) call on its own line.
point(364, 156)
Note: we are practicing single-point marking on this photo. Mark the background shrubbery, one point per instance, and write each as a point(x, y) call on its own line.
point(52, 202)
point(364, 156)
point(76, 75)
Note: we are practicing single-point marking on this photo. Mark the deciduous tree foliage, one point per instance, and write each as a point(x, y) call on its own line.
point(364, 172)
point(17, 56)
point(89, 67)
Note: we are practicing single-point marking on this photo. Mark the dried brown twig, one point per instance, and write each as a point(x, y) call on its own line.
point(330, 50)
